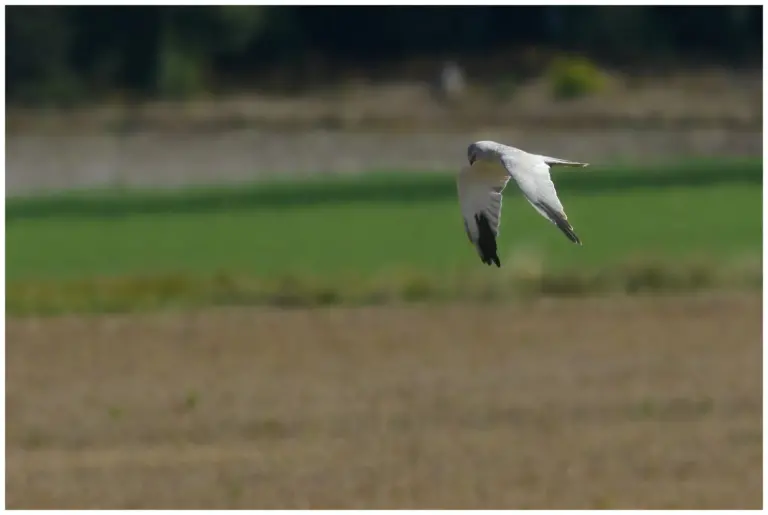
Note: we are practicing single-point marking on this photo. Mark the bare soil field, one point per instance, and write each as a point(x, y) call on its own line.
point(583, 403)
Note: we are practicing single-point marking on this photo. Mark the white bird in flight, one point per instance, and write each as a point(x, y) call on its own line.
point(480, 185)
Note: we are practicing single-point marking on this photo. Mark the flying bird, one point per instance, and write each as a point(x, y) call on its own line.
point(481, 182)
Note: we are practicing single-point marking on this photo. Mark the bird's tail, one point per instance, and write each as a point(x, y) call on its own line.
point(553, 161)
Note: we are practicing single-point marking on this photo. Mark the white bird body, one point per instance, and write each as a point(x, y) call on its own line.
point(480, 185)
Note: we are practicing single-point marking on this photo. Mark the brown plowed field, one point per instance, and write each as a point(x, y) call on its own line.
point(623, 403)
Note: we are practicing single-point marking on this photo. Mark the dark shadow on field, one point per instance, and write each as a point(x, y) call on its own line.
point(374, 187)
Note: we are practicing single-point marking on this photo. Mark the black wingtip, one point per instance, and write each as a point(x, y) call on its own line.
point(568, 230)
point(486, 241)
point(562, 223)
point(571, 235)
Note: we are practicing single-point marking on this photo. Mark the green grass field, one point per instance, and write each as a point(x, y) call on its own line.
point(366, 227)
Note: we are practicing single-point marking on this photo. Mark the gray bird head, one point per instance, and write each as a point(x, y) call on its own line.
point(482, 150)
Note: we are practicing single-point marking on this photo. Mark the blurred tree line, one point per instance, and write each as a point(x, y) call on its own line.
point(58, 54)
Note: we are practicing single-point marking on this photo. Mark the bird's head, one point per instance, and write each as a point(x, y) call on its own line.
point(481, 150)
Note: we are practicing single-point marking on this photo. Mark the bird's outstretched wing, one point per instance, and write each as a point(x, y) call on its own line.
point(480, 188)
point(531, 173)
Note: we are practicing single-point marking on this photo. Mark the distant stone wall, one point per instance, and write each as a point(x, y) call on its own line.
point(36, 162)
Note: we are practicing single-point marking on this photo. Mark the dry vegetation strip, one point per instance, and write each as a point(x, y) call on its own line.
point(624, 402)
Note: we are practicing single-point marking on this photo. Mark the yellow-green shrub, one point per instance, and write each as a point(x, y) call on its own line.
point(574, 77)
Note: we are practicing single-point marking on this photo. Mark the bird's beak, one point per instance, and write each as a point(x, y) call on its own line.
point(471, 160)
